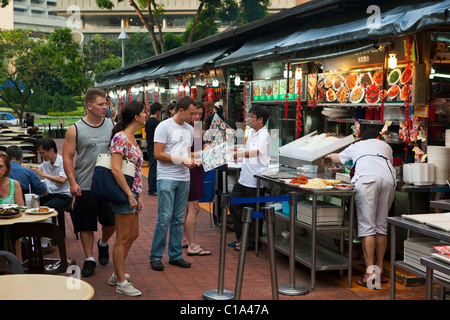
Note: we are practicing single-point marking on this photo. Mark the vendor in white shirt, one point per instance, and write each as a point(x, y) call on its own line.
point(52, 171)
point(374, 180)
point(256, 158)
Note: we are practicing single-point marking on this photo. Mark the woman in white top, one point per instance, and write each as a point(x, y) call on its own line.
point(374, 180)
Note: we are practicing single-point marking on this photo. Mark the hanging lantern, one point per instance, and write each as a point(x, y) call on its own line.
point(392, 60)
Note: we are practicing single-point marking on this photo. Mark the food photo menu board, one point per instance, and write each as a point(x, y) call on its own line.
point(264, 90)
point(362, 88)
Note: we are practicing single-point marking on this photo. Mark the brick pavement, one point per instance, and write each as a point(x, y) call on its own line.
point(175, 283)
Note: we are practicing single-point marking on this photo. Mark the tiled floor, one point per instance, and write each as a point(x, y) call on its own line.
point(175, 283)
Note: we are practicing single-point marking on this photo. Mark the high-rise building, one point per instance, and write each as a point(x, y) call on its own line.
point(89, 19)
point(38, 15)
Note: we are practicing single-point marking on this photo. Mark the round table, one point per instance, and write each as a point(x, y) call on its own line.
point(43, 287)
point(25, 217)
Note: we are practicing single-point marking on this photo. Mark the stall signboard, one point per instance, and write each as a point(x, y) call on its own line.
point(362, 87)
point(276, 89)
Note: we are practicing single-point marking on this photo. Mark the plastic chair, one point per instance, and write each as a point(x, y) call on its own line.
point(9, 263)
point(35, 262)
point(209, 180)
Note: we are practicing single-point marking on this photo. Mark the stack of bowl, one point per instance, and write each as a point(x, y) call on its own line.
point(440, 157)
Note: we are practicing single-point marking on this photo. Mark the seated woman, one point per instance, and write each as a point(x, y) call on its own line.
point(10, 192)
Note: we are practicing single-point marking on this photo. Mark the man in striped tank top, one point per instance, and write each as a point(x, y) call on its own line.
point(85, 139)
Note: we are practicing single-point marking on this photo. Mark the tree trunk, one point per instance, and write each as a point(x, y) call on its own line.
point(194, 24)
point(158, 23)
point(149, 27)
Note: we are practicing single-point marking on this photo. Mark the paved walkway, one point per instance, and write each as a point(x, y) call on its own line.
point(175, 283)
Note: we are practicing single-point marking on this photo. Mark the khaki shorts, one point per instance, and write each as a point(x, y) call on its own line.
point(373, 199)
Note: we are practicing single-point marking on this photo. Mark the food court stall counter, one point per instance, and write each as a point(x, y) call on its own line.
point(307, 252)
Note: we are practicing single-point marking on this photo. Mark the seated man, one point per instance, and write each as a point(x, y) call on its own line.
point(52, 171)
point(26, 177)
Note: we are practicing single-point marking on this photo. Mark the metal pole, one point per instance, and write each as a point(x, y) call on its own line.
point(246, 220)
point(269, 217)
point(220, 293)
point(123, 53)
point(291, 289)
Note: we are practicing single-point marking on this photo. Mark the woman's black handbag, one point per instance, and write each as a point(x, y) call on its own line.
point(104, 185)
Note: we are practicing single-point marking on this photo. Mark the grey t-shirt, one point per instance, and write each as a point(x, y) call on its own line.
point(91, 141)
point(178, 141)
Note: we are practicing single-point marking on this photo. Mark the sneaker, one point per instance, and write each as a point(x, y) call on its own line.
point(128, 290)
point(103, 254)
point(88, 268)
point(113, 280)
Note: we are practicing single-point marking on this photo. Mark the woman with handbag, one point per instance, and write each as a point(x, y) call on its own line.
point(124, 145)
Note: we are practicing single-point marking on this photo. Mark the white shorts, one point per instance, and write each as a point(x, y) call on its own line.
point(373, 199)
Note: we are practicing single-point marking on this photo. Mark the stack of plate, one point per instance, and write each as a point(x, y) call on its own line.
point(327, 214)
point(422, 174)
point(447, 138)
point(440, 157)
point(415, 248)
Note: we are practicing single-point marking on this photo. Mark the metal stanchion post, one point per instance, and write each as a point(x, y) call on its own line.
point(291, 289)
point(269, 216)
point(220, 293)
point(246, 220)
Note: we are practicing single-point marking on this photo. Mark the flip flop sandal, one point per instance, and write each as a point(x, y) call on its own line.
point(361, 282)
point(199, 253)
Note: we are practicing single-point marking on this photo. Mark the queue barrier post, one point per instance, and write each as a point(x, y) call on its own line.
point(220, 293)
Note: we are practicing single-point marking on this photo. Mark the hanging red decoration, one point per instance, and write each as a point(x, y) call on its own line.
point(406, 126)
point(245, 99)
point(299, 108)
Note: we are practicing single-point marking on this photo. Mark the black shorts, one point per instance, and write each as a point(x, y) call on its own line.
point(87, 209)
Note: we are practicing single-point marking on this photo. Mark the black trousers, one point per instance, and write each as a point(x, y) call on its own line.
point(236, 209)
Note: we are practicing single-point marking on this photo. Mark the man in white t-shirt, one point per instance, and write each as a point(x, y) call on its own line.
point(172, 144)
point(374, 180)
point(52, 170)
point(256, 158)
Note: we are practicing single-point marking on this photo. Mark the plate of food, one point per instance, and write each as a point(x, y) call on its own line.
point(406, 75)
point(406, 92)
point(338, 81)
point(315, 185)
point(378, 77)
point(8, 206)
point(351, 81)
point(342, 94)
point(393, 92)
point(357, 94)
point(344, 186)
point(297, 181)
point(372, 93)
point(330, 95)
point(331, 181)
point(40, 210)
point(10, 213)
point(365, 80)
point(394, 76)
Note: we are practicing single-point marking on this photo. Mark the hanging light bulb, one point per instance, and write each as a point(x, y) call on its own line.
point(298, 73)
point(237, 80)
point(215, 82)
point(392, 60)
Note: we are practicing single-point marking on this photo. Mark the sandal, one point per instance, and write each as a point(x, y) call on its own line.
point(361, 282)
point(201, 252)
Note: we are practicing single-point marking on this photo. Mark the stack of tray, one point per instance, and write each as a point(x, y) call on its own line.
point(415, 248)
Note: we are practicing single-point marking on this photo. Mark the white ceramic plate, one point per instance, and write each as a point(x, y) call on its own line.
point(291, 184)
point(315, 188)
point(34, 210)
point(345, 188)
point(9, 206)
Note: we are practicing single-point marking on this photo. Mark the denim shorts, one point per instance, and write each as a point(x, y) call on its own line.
point(123, 208)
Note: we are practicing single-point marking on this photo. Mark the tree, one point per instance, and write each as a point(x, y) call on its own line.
point(24, 62)
point(251, 10)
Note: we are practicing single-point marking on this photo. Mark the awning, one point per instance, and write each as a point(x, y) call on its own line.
point(134, 77)
point(257, 48)
point(401, 20)
point(194, 63)
point(343, 35)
